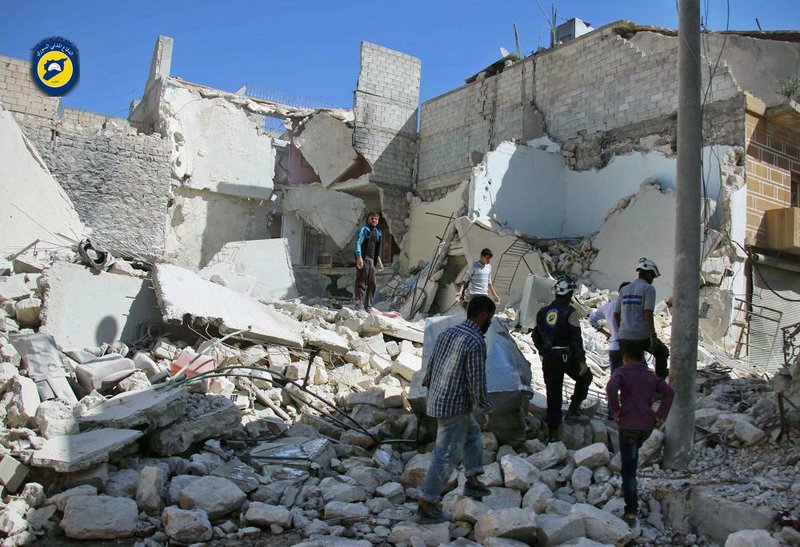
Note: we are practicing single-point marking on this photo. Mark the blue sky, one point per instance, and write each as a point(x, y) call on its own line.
point(311, 47)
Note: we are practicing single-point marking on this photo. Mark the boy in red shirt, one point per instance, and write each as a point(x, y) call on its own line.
point(630, 400)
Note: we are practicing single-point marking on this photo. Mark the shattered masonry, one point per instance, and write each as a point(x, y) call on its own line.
point(205, 380)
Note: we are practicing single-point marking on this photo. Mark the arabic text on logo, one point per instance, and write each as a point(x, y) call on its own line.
point(55, 65)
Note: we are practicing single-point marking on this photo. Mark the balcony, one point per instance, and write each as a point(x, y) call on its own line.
point(783, 229)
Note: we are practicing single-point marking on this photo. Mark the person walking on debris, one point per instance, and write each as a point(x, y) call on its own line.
point(368, 257)
point(634, 315)
point(630, 397)
point(477, 279)
point(557, 336)
point(606, 313)
point(456, 381)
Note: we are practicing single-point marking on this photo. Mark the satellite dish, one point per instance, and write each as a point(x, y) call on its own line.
point(504, 52)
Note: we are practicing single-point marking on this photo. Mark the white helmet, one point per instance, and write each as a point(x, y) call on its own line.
point(647, 265)
point(564, 286)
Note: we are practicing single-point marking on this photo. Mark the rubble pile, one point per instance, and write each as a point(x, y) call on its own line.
point(296, 427)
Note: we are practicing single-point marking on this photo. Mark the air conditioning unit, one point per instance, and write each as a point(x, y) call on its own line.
point(783, 229)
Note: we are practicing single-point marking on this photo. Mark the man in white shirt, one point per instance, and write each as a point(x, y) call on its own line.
point(478, 279)
point(606, 313)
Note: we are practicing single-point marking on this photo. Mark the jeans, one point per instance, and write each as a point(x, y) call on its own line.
point(630, 440)
point(456, 435)
point(615, 359)
point(661, 354)
point(554, 368)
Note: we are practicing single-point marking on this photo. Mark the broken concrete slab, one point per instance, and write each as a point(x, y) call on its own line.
point(177, 290)
point(113, 307)
point(297, 452)
point(716, 516)
point(34, 205)
point(239, 473)
point(216, 146)
point(12, 473)
point(261, 268)
point(98, 373)
point(642, 226)
point(409, 533)
point(334, 213)
point(327, 145)
point(42, 360)
point(151, 407)
point(54, 418)
point(14, 288)
point(206, 416)
point(99, 517)
point(69, 453)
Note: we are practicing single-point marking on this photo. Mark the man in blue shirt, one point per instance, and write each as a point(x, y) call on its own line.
point(456, 381)
point(368, 257)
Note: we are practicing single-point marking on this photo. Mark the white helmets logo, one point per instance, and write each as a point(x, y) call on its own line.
point(564, 286)
point(647, 265)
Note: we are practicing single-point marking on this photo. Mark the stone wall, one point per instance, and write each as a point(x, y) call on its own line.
point(579, 91)
point(117, 179)
point(385, 107)
point(19, 94)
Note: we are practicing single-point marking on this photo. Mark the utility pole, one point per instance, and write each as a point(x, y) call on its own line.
point(686, 291)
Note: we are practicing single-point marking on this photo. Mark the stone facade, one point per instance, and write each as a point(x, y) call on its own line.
point(117, 179)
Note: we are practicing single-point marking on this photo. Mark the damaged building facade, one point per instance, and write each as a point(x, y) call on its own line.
point(209, 381)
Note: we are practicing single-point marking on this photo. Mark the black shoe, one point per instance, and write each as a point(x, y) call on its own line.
point(476, 492)
point(574, 418)
point(553, 437)
point(435, 515)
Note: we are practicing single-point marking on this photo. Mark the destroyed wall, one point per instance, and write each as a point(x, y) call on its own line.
point(385, 105)
point(530, 188)
point(756, 61)
point(598, 94)
point(222, 167)
point(117, 179)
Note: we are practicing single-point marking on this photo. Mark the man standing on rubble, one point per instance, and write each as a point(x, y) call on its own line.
point(456, 381)
point(368, 257)
point(606, 313)
point(477, 279)
point(558, 338)
point(634, 316)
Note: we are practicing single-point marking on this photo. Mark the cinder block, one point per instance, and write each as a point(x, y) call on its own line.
point(12, 473)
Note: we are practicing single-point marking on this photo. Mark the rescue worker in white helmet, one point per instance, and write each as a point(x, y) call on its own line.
point(634, 316)
point(557, 336)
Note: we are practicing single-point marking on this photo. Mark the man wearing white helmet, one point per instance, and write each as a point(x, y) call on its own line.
point(558, 339)
point(634, 316)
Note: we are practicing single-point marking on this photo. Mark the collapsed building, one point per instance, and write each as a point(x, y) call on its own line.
point(170, 347)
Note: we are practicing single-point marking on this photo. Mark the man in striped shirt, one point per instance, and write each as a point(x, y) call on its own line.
point(456, 381)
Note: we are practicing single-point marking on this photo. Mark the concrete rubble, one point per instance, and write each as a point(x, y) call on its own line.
point(204, 396)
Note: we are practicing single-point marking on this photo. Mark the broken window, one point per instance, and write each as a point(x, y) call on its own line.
point(313, 242)
point(389, 247)
point(795, 199)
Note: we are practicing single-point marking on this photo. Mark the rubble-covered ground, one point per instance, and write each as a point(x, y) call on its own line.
point(292, 426)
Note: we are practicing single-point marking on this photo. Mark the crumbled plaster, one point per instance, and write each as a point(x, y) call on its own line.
point(334, 213)
point(30, 192)
point(217, 145)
